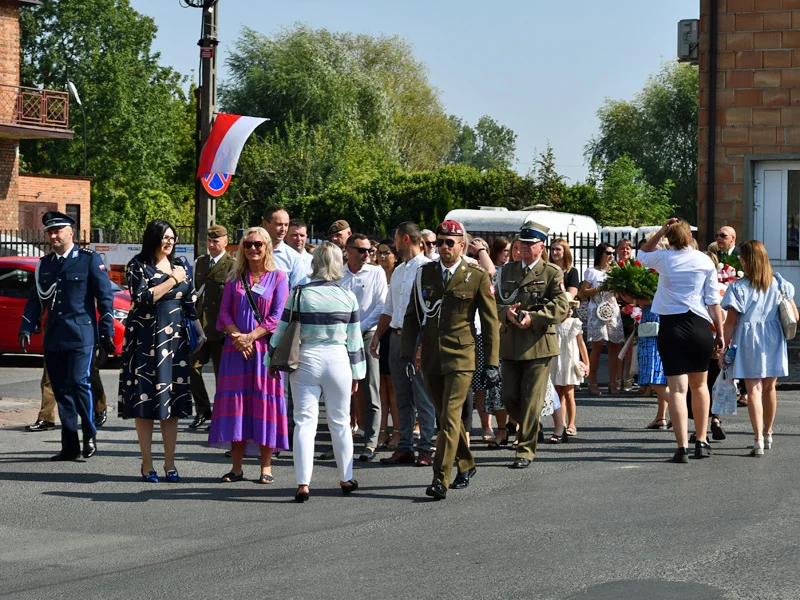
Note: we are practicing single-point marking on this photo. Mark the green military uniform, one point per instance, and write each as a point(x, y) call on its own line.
point(448, 349)
point(526, 353)
point(209, 284)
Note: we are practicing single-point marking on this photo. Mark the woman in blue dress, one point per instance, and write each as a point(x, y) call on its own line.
point(753, 324)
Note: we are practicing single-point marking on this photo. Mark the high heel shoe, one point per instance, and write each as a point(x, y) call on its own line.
point(172, 476)
point(150, 476)
point(758, 447)
point(301, 496)
point(349, 489)
point(499, 440)
point(594, 390)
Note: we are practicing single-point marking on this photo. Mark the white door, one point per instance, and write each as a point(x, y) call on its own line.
point(776, 215)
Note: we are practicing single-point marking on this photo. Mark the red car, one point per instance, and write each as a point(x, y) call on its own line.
point(16, 285)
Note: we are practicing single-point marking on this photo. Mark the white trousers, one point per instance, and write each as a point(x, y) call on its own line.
point(324, 370)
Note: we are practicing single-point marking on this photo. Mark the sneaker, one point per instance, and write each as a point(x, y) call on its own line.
point(767, 440)
point(758, 447)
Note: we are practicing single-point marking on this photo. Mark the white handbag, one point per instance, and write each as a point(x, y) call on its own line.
point(786, 313)
point(649, 329)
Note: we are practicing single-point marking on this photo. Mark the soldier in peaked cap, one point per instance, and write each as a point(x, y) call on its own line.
point(444, 299)
point(71, 284)
point(530, 300)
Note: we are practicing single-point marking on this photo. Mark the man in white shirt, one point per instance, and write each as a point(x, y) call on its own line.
point(297, 238)
point(276, 222)
point(429, 240)
point(409, 388)
point(368, 283)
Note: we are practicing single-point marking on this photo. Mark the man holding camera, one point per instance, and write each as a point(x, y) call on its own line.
point(531, 299)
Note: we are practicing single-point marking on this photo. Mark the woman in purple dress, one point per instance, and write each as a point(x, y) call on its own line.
point(249, 415)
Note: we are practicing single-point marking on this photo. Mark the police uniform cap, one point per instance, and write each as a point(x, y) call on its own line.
point(533, 232)
point(338, 226)
point(217, 231)
point(56, 220)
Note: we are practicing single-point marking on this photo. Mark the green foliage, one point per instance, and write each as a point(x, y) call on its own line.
point(550, 185)
point(488, 146)
point(658, 130)
point(633, 279)
point(626, 198)
point(732, 260)
point(139, 122)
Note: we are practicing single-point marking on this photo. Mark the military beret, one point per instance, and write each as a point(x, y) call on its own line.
point(217, 231)
point(338, 226)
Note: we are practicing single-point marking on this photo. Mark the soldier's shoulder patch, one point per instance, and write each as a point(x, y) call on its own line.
point(476, 266)
point(86, 250)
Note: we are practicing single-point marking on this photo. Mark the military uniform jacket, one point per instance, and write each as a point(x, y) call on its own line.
point(209, 284)
point(448, 339)
point(80, 289)
point(541, 293)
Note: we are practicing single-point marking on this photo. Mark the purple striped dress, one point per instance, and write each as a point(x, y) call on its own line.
point(248, 405)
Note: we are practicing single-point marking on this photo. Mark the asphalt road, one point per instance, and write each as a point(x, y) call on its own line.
point(601, 517)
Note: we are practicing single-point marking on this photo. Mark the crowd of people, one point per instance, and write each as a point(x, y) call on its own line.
point(406, 334)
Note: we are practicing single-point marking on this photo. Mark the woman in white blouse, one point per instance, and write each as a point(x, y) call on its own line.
point(687, 300)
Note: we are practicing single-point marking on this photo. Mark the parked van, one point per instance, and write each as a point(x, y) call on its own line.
point(488, 222)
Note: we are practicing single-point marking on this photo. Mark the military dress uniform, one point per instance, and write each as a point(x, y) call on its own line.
point(448, 350)
point(526, 353)
point(71, 289)
point(209, 284)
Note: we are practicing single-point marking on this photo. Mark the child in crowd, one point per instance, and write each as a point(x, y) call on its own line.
point(566, 371)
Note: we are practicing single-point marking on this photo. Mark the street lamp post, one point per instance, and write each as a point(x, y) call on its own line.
point(74, 91)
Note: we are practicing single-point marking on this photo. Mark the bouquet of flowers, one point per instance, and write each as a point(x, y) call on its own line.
point(633, 311)
point(727, 273)
point(730, 260)
point(631, 278)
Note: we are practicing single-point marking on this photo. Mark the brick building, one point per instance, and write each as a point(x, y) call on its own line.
point(750, 50)
point(32, 113)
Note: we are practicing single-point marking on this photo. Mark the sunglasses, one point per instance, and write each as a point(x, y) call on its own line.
point(607, 253)
point(430, 244)
point(442, 242)
point(722, 235)
point(361, 250)
point(256, 245)
point(384, 253)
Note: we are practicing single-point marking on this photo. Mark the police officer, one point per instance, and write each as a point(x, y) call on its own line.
point(444, 299)
point(71, 283)
point(531, 300)
point(210, 272)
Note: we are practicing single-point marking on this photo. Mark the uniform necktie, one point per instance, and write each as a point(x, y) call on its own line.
point(448, 275)
point(525, 271)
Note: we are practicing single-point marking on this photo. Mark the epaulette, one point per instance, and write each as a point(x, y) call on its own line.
point(553, 267)
point(476, 266)
point(86, 250)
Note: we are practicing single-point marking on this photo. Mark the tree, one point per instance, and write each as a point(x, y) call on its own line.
point(550, 185)
point(626, 198)
point(488, 146)
point(139, 122)
point(658, 130)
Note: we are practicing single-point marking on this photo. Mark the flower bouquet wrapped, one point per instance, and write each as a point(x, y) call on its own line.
point(632, 279)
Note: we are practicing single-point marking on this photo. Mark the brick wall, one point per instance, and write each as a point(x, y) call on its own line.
point(58, 190)
point(9, 42)
point(758, 96)
point(9, 183)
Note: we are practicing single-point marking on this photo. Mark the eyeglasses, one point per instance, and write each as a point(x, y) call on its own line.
point(372, 251)
point(384, 253)
point(361, 250)
point(430, 244)
point(169, 239)
point(722, 235)
point(256, 245)
point(609, 253)
point(445, 242)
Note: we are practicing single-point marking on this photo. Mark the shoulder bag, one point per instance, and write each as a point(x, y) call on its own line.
point(188, 324)
point(648, 329)
point(286, 356)
point(786, 313)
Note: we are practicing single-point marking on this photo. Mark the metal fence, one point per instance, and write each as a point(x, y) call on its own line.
point(34, 242)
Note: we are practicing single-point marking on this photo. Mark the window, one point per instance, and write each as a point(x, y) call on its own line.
point(16, 283)
point(74, 211)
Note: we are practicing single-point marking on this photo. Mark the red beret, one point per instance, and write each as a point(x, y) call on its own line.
point(450, 227)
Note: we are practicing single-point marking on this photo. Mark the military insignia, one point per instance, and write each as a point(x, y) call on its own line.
point(540, 282)
point(466, 279)
point(491, 289)
point(102, 267)
point(561, 285)
point(445, 228)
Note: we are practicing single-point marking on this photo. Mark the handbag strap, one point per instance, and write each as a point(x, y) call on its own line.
point(250, 300)
point(299, 289)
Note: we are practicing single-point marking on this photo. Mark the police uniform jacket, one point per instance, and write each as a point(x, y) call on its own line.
point(448, 339)
point(82, 291)
point(209, 284)
point(541, 293)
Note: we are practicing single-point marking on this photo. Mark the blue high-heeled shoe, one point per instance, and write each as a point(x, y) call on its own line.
point(150, 477)
point(172, 476)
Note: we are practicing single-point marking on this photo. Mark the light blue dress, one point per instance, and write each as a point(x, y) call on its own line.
point(761, 345)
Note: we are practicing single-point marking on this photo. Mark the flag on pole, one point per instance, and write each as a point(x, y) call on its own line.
point(225, 142)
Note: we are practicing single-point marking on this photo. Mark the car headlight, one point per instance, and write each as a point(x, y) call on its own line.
point(120, 314)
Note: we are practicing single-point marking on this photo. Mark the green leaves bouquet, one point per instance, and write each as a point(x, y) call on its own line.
point(631, 278)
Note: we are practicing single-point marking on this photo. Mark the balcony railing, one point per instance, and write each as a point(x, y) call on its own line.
point(34, 107)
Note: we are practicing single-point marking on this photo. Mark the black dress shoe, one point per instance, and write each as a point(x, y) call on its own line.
point(100, 419)
point(520, 463)
point(717, 432)
point(65, 456)
point(681, 455)
point(349, 489)
point(462, 479)
point(89, 448)
point(40, 426)
point(436, 490)
point(702, 449)
point(199, 420)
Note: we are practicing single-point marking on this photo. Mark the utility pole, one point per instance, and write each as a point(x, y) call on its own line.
point(205, 207)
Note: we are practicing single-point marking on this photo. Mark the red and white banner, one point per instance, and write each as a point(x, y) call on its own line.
point(225, 142)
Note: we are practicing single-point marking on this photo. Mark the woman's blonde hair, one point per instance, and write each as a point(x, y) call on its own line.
point(327, 263)
point(679, 235)
point(567, 252)
point(755, 264)
point(240, 266)
point(713, 256)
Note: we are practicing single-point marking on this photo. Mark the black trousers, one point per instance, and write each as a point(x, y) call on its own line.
point(69, 376)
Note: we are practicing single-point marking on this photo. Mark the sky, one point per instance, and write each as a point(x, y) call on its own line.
point(541, 67)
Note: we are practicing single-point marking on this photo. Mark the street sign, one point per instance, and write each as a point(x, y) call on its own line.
point(216, 184)
point(206, 51)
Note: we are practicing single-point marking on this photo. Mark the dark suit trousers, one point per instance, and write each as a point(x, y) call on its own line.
point(524, 387)
point(69, 376)
point(48, 410)
point(448, 393)
point(211, 350)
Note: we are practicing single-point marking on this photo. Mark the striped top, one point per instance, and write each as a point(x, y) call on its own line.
point(328, 315)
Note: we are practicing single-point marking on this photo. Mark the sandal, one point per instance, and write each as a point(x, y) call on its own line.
point(383, 439)
point(266, 478)
point(594, 390)
point(558, 439)
point(488, 435)
point(498, 440)
point(571, 431)
point(232, 477)
point(395, 440)
point(613, 389)
point(657, 424)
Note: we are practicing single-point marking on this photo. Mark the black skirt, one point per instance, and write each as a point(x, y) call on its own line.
point(685, 343)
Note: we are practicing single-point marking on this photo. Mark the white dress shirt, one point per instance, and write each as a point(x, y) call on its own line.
point(400, 289)
point(288, 260)
point(370, 289)
point(687, 281)
point(305, 259)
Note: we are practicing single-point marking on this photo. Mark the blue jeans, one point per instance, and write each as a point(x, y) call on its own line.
point(411, 397)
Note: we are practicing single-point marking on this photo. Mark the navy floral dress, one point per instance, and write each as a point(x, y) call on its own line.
point(154, 381)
